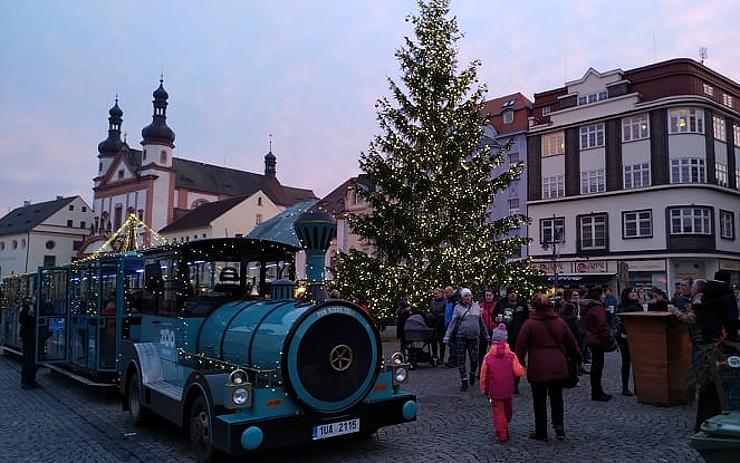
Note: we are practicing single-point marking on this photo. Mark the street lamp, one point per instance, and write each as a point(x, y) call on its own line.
point(557, 241)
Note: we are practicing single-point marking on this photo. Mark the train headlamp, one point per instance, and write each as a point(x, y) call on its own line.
point(397, 358)
point(240, 396)
point(400, 375)
point(238, 390)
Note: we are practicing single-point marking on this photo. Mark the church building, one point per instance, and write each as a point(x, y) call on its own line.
point(161, 188)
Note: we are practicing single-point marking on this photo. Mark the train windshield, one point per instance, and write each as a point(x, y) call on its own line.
point(217, 278)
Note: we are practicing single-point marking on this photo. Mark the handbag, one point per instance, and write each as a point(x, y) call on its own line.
point(453, 333)
point(572, 380)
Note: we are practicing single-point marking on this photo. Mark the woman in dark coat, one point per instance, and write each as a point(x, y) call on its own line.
point(628, 302)
point(569, 313)
point(598, 338)
point(543, 341)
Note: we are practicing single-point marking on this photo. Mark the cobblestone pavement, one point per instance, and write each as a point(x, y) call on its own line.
point(65, 422)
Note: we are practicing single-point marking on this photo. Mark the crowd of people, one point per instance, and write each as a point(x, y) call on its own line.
point(554, 339)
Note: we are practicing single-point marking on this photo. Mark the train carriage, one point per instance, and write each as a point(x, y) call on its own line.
point(244, 366)
point(16, 291)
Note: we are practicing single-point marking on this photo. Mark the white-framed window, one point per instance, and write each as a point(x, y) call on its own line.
point(637, 175)
point(553, 143)
point(720, 173)
point(637, 224)
point(719, 128)
point(514, 206)
point(553, 187)
point(545, 110)
point(688, 170)
point(592, 136)
point(686, 120)
point(513, 189)
point(508, 117)
point(727, 100)
point(635, 128)
point(736, 134)
point(691, 221)
point(592, 97)
point(592, 232)
point(708, 90)
point(552, 230)
point(726, 225)
point(257, 219)
point(593, 181)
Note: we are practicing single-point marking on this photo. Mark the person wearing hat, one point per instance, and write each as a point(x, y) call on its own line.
point(497, 372)
point(465, 331)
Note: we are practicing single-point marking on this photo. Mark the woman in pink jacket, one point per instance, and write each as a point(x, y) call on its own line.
point(499, 368)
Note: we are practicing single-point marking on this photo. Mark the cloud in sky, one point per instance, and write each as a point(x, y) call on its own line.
point(307, 72)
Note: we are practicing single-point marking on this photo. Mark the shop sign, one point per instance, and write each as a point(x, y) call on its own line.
point(733, 265)
point(547, 267)
point(657, 265)
point(591, 266)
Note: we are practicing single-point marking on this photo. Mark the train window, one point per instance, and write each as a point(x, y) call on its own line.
point(162, 288)
point(134, 286)
point(108, 280)
point(214, 278)
point(53, 292)
point(83, 289)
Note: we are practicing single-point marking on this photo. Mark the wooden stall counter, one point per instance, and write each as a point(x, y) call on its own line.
point(661, 356)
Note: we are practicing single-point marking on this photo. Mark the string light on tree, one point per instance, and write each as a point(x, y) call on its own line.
point(430, 224)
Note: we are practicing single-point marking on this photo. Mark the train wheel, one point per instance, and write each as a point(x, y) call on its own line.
point(200, 432)
point(136, 411)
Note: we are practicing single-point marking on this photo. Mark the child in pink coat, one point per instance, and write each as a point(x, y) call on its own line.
point(500, 367)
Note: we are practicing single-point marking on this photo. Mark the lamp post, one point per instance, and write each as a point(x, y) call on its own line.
point(557, 239)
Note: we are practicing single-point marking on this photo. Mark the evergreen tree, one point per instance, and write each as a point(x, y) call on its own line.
point(429, 223)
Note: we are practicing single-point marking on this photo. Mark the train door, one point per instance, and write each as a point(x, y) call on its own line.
point(52, 316)
point(133, 293)
point(83, 305)
point(107, 319)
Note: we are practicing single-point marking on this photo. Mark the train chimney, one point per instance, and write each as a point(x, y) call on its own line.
point(315, 231)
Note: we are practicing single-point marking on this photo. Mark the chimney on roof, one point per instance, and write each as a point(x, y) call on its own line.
point(26, 203)
point(60, 197)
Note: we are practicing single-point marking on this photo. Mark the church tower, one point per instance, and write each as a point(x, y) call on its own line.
point(158, 139)
point(111, 146)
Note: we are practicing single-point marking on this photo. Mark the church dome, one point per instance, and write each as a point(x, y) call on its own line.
point(158, 131)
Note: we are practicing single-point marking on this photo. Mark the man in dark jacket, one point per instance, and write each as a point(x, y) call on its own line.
point(717, 315)
point(599, 340)
point(513, 313)
point(27, 320)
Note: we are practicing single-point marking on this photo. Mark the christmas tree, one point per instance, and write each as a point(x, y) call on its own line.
point(429, 226)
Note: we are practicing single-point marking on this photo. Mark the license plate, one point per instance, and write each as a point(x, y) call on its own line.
point(323, 431)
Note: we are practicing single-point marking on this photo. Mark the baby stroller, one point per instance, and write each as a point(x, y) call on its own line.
point(419, 337)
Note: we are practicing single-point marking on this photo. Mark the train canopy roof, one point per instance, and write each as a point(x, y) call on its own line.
point(230, 249)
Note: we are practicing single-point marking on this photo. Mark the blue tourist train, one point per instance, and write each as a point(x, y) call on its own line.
point(193, 332)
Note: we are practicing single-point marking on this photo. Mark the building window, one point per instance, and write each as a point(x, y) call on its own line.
point(513, 158)
point(553, 187)
point(76, 245)
point(83, 224)
point(259, 200)
point(23, 243)
point(737, 178)
point(635, 128)
point(736, 134)
point(204, 235)
point(2, 245)
point(513, 189)
point(163, 157)
point(592, 232)
point(514, 206)
point(593, 97)
point(721, 174)
point(144, 155)
point(117, 217)
point(84, 208)
point(726, 225)
point(140, 213)
point(508, 117)
point(686, 120)
point(637, 175)
point(553, 143)
point(509, 103)
point(120, 174)
point(552, 230)
point(719, 128)
point(708, 90)
point(691, 221)
point(14, 244)
point(70, 223)
point(71, 207)
point(545, 110)
point(258, 219)
point(592, 136)
point(688, 170)
point(593, 181)
point(727, 100)
point(50, 244)
point(637, 224)
point(50, 261)
point(100, 167)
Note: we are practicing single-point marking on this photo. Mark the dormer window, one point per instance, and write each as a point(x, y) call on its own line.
point(120, 174)
point(592, 97)
point(545, 110)
point(259, 200)
point(509, 103)
point(508, 117)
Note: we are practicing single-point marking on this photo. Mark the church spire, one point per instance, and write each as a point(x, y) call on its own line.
point(112, 145)
point(270, 162)
point(158, 132)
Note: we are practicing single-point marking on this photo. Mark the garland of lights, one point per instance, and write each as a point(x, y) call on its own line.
point(430, 224)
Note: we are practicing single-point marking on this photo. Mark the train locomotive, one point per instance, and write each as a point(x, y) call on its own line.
point(245, 367)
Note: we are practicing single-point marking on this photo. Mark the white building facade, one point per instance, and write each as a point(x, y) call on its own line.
point(636, 172)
